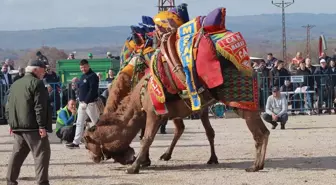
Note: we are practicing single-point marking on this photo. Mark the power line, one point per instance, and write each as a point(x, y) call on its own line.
point(283, 5)
point(308, 27)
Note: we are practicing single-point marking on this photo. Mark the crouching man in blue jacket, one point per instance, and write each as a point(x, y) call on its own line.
point(66, 117)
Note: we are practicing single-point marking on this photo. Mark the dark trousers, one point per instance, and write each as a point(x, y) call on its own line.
point(268, 118)
point(67, 133)
point(24, 142)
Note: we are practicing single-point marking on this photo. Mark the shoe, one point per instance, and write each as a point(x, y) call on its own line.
point(274, 125)
point(72, 146)
point(67, 143)
point(282, 126)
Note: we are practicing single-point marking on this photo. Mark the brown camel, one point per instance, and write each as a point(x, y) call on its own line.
point(122, 87)
point(114, 132)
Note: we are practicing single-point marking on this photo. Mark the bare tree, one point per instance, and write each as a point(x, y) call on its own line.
point(53, 54)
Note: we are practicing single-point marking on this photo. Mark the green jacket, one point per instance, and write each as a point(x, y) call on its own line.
point(28, 107)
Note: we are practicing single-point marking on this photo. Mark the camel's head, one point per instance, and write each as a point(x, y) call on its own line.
point(105, 141)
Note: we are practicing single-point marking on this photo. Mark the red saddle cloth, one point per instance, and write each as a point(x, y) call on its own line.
point(207, 63)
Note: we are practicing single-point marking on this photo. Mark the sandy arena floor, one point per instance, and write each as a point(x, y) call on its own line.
point(305, 153)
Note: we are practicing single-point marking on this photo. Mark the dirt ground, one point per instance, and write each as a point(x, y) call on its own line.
point(304, 153)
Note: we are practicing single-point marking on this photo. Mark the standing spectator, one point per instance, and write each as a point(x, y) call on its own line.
point(30, 122)
point(323, 84)
point(54, 98)
point(264, 83)
point(109, 55)
point(309, 66)
point(6, 77)
point(88, 95)
point(276, 109)
point(294, 65)
point(66, 117)
point(308, 83)
point(51, 77)
point(71, 92)
point(10, 64)
point(334, 56)
point(42, 58)
point(325, 57)
point(90, 56)
point(280, 74)
point(110, 77)
point(270, 60)
point(333, 82)
point(71, 56)
point(20, 75)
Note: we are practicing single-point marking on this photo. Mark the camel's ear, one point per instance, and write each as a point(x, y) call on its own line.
point(92, 129)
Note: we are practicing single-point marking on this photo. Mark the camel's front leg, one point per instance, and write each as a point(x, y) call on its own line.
point(260, 135)
point(179, 129)
point(152, 126)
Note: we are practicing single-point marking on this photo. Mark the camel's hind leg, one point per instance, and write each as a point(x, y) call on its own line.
point(179, 129)
point(260, 135)
point(210, 133)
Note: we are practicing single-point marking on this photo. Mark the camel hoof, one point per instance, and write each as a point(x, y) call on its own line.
point(145, 163)
point(254, 169)
point(213, 160)
point(165, 157)
point(132, 170)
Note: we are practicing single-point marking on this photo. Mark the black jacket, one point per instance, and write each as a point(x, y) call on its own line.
point(279, 76)
point(308, 80)
point(17, 77)
point(88, 87)
point(322, 76)
point(27, 107)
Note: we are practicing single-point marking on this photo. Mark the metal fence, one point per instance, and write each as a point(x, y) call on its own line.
point(306, 94)
point(309, 94)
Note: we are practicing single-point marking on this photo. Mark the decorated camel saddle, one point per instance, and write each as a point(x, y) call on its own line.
point(198, 55)
point(138, 49)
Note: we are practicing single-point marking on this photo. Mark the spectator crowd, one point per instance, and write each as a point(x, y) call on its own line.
point(317, 87)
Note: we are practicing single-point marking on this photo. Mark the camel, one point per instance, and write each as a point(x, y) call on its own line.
point(122, 86)
point(114, 132)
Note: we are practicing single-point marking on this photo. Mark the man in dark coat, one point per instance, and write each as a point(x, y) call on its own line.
point(88, 96)
point(28, 116)
point(323, 82)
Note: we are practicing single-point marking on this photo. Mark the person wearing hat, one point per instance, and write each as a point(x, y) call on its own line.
point(323, 82)
point(71, 56)
point(276, 109)
point(42, 58)
point(108, 55)
point(30, 118)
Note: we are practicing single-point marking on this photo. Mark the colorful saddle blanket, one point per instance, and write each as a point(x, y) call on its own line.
point(185, 42)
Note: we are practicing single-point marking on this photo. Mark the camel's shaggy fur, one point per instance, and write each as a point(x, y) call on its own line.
point(120, 88)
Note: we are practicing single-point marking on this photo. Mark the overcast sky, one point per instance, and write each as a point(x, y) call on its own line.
point(40, 14)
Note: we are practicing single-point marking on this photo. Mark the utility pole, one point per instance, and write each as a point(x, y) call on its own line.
point(308, 27)
point(283, 5)
point(164, 5)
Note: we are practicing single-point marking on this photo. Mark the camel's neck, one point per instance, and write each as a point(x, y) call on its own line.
point(120, 89)
point(132, 128)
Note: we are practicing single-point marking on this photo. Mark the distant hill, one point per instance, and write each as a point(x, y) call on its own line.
point(259, 30)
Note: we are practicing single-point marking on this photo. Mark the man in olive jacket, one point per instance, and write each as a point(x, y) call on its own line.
point(29, 117)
